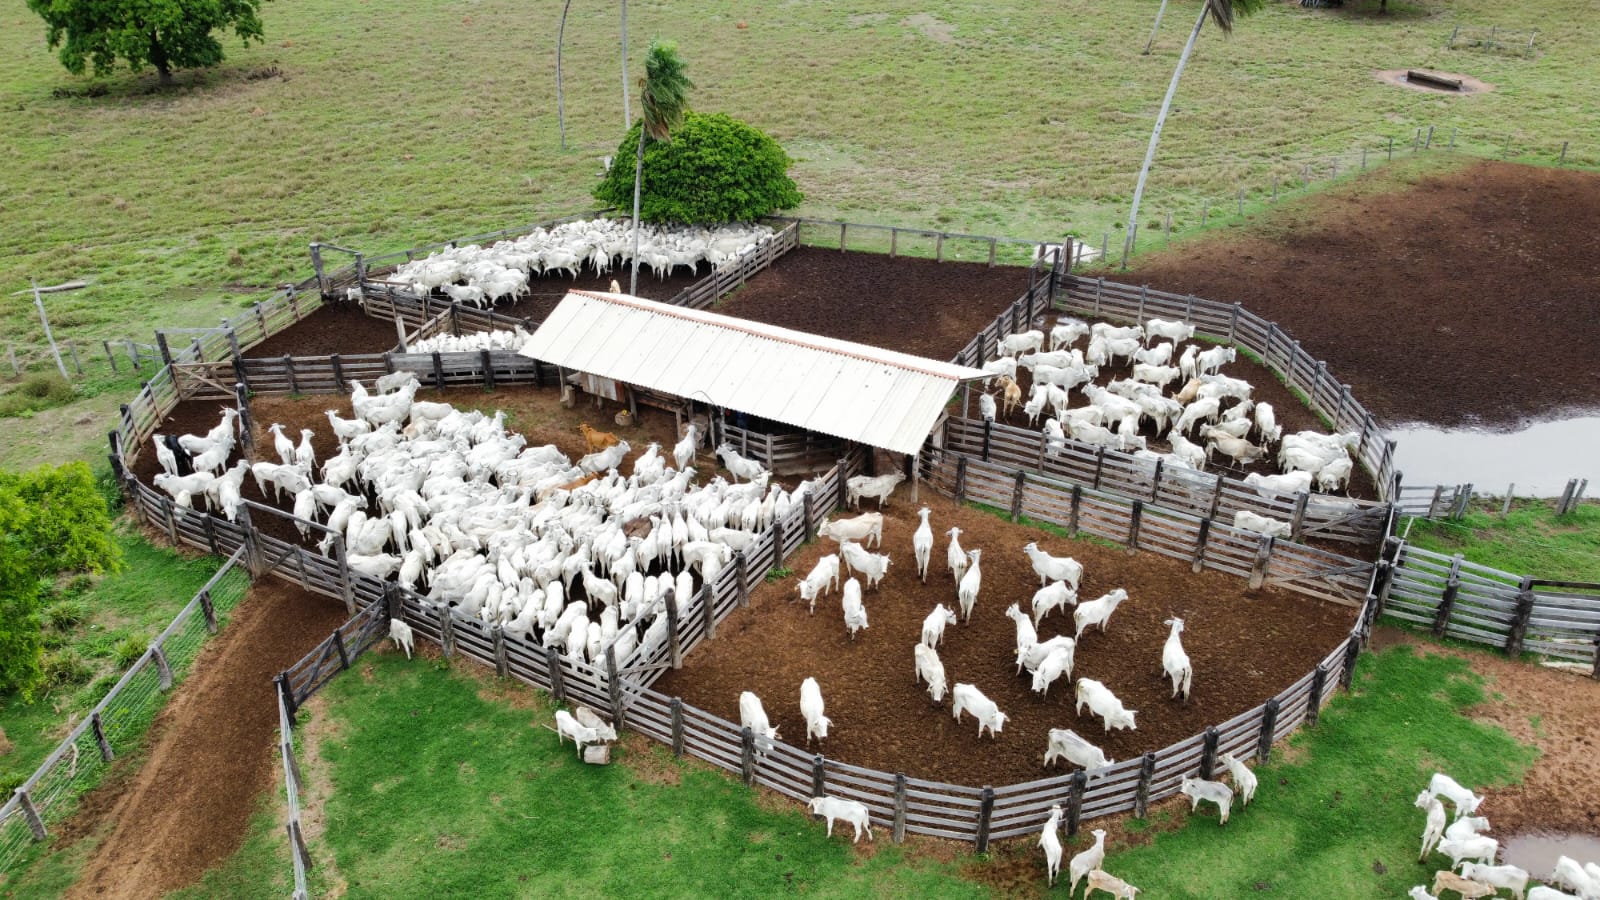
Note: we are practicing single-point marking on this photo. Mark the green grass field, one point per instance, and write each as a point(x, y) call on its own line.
point(1530, 540)
point(382, 125)
point(444, 783)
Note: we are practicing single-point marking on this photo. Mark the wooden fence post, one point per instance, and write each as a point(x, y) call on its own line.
point(1198, 561)
point(502, 663)
point(1133, 524)
point(447, 632)
point(252, 563)
point(674, 653)
point(241, 395)
point(747, 756)
point(171, 519)
point(35, 823)
point(488, 369)
point(552, 661)
point(985, 813)
point(1447, 602)
point(344, 653)
point(1258, 571)
point(100, 737)
point(1072, 515)
point(675, 708)
point(162, 666)
point(1208, 753)
point(208, 523)
point(1319, 679)
point(988, 437)
point(1347, 675)
point(1297, 521)
point(1080, 780)
point(1099, 466)
point(614, 687)
point(900, 802)
point(394, 604)
point(708, 602)
point(438, 371)
point(1016, 494)
point(961, 479)
point(346, 592)
point(1519, 619)
point(1141, 797)
point(741, 570)
point(288, 371)
point(166, 351)
point(338, 373)
point(1269, 724)
point(777, 542)
point(286, 694)
point(808, 505)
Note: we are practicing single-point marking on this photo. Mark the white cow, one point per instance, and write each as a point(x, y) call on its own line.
point(968, 697)
point(1053, 568)
point(811, 707)
point(1051, 843)
point(967, 591)
point(930, 669)
point(1176, 662)
point(933, 625)
point(1197, 789)
point(754, 717)
point(1087, 861)
point(1244, 780)
point(1104, 704)
point(1066, 744)
point(866, 528)
point(851, 811)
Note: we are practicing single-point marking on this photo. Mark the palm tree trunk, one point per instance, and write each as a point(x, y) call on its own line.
point(1156, 27)
point(1155, 134)
point(627, 116)
point(561, 109)
point(638, 176)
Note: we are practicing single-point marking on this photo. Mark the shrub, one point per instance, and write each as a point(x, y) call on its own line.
point(715, 169)
point(128, 651)
point(68, 527)
point(36, 392)
point(65, 668)
point(64, 614)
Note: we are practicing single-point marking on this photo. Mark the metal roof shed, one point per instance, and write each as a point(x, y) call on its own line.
point(865, 394)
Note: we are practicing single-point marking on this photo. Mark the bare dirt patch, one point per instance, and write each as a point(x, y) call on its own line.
point(1469, 85)
point(188, 806)
point(1245, 648)
point(1458, 300)
point(1554, 710)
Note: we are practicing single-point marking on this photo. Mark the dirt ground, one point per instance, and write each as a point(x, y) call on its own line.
point(1245, 648)
point(1460, 302)
point(342, 327)
point(1556, 711)
point(912, 305)
point(187, 806)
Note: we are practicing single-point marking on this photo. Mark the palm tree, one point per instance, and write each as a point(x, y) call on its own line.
point(1221, 12)
point(663, 97)
point(561, 109)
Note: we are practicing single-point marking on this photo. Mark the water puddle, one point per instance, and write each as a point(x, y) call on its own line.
point(1536, 852)
point(1539, 459)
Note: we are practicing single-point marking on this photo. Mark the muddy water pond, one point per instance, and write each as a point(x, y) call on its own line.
point(1538, 459)
point(1536, 851)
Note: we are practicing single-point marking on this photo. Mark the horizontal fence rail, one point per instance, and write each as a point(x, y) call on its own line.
point(115, 724)
point(1454, 598)
point(1231, 323)
point(1203, 494)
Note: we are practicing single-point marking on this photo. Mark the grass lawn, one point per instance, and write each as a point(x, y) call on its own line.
point(1011, 119)
point(444, 783)
point(1528, 541)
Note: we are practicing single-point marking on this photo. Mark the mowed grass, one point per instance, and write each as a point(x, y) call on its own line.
point(443, 787)
point(1529, 540)
point(380, 125)
point(444, 784)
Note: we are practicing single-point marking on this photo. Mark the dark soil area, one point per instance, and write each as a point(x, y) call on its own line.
point(1464, 300)
point(341, 326)
point(188, 805)
point(1245, 647)
point(908, 304)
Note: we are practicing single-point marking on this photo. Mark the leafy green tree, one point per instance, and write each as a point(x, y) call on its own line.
point(52, 520)
point(717, 169)
point(165, 34)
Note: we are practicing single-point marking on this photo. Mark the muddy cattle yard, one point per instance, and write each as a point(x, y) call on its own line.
point(1245, 647)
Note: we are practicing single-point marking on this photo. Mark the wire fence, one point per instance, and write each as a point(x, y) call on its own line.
point(120, 719)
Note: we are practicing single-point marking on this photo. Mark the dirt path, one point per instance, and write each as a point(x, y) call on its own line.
point(1460, 299)
point(187, 807)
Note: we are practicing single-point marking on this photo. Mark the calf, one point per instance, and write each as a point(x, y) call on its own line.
point(1051, 843)
point(1511, 878)
point(569, 727)
point(851, 811)
point(1099, 880)
point(1244, 780)
point(1197, 789)
point(1446, 880)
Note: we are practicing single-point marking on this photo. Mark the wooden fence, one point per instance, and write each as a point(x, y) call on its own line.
point(899, 241)
point(1202, 494)
point(298, 852)
point(1517, 613)
point(115, 724)
point(1233, 324)
point(783, 452)
point(1199, 541)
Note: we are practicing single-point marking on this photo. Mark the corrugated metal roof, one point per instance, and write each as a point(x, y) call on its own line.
point(853, 391)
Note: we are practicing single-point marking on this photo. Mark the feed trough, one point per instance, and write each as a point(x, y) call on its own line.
point(1429, 79)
